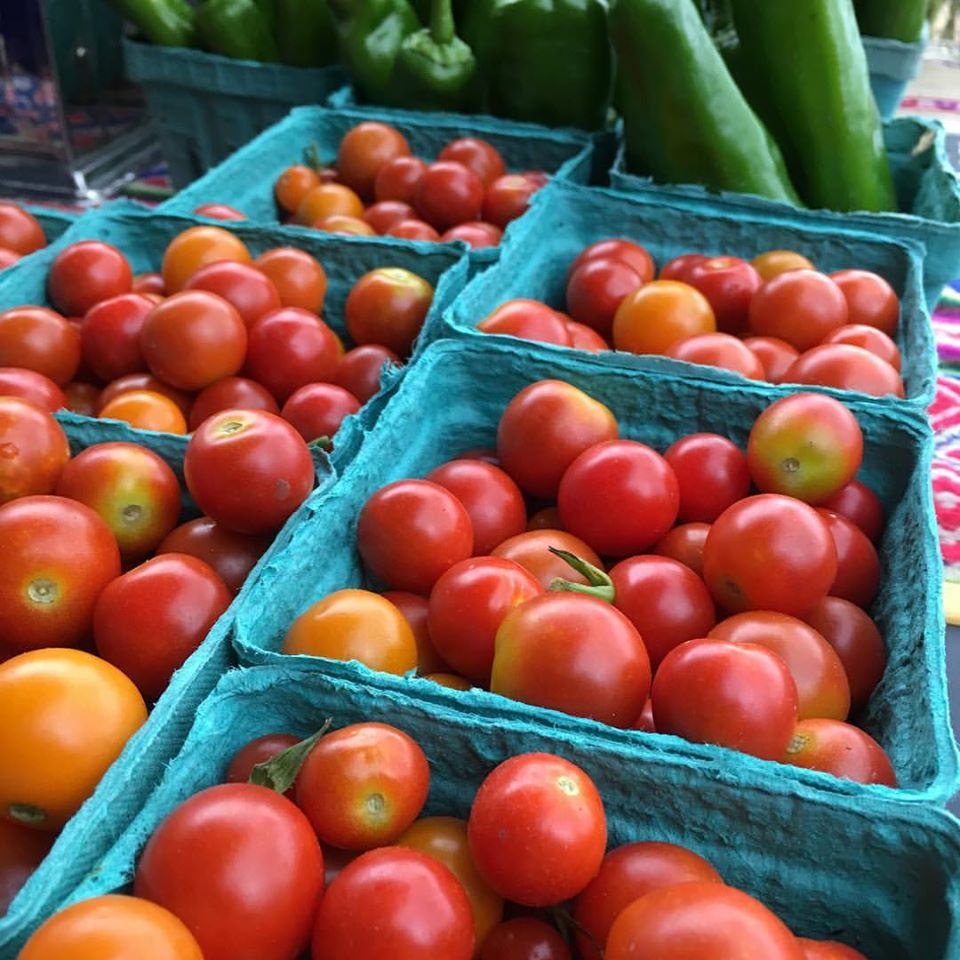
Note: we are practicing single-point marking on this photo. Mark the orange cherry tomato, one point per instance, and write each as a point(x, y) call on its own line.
point(365, 150)
point(196, 247)
point(346, 225)
point(774, 262)
point(299, 278)
point(19, 230)
point(327, 200)
point(660, 313)
point(145, 410)
point(449, 680)
point(293, 185)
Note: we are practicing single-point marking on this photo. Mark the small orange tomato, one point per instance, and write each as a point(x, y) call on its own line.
point(774, 262)
point(293, 185)
point(145, 381)
point(196, 247)
point(328, 200)
point(449, 680)
point(299, 278)
point(145, 410)
point(340, 223)
point(658, 314)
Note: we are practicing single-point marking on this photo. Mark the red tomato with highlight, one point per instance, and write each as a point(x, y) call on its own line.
point(531, 550)
point(870, 339)
point(33, 387)
point(244, 286)
point(729, 284)
point(39, 339)
point(800, 306)
point(840, 749)
point(507, 198)
point(477, 155)
point(85, 273)
point(448, 194)
point(528, 320)
point(524, 938)
point(475, 233)
point(681, 268)
point(148, 283)
point(317, 409)
point(775, 356)
point(33, 449)
point(110, 336)
point(414, 230)
point(596, 289)
point(685, 544)
point(398, 179)
point(870, 299)
point(718, 350)
point(387, 306)
point(712, 473)
point(8, 258)
point(219, 211)
point(858, 566)
point(359, 369)
point(828, 950)
point(365, 150)
point(384, 214)
point(622, 251)
point(299, 279)
point(231, 393)
point(20, 231)
point(586, 338)
point(846, 367)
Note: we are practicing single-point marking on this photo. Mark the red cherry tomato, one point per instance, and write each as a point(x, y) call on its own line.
point(110, 336)
point(398, 179)
point(33, 449)
point(388, 306)
point(414, 230)
point(260, 750)
point(21, 851)
point(858, 566)
point(685, 543)
point(729, 284)
point(531, 550)
point(20, 231)
point(524, 938)
point(507, 198)
point(870, 299)
point(39, 339)
point(85, 273)
point(365, 150)
point(359, 369)
point(219, 211)
point(828, 950)
point(244, 286)
point(870, 339)
point(623, 251)
point(537, 829)
point(596, 289)
point(620, 496)
point(736, 695)
point(477, 155)
point(800, 306)
point(718, 350)
point(34, 387)
point(231, 393)
point(82, 398)
point(415, 611)
point(411, 531)
point(776, 356)
point(383, 215)
point(586, 338)
point(493, 501)
point(528, 320)
point(317, 409)
point(475, 233)
point(712, 473)
point(769, 552)
point(841, 749)
point(148, 283)
point(448, 194)
point(681, 268)
point(8, 258)
point(846, 367)
point(573, 653)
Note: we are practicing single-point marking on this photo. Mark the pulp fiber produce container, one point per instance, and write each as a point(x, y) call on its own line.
point(928, 198)
point(142, 235)
point(565, 218)
point(205, 106)
point(54, 222)
point(874, 874)
point(124, 788)
point(892, 64)
point(245, 180)
point(451, 402)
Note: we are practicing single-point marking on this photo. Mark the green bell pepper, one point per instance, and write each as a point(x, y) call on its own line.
point(306, 33)
point(167, 23)
point(810, 71)
point(685, 120)
point(894, 19)
point(237, 28)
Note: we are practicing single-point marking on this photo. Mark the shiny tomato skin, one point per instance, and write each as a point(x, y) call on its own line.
point(806, 445)
point(508, 198)
point(20, 231)
point(422, 911)
point(131, 488)
point(597, 288)
point(869, 338)
point(82, 398)
point(769, 552)
point(800, 306)
point(857, 641)
point(665, 600)
point(364, 151)
point(524, 938)
point(659, 314)
point(681, 267)
point(858, 565)
point(840, 749)
point(326, 201)
point(828, 950)
point(21, 851)
point(414, 229)
point(712, 473)
point(620, 496)
point(383, 215)
point(299, 278)
point(626, 874)
point(248, 289)
point(232, 555)
point(527, 320)
point(387, 306)
point(572, 653)
point(195, 248)
point(346, 226)
point(145, 410)
point(531, 549)
point(269, 465)
point(870, 299)
point(33, 450)
point(34, 387)
point(544, 428)
point(219, 211)
point(362, 786)
point(240, 866)
point(822, 686)
point(448, 193)
point(231, 393)
point(736, 695)
point(39, 339)
point(416, 611)
point(477, 155)
point(624, 251)
point(8, 258)
point(58, 557)
point(729, 284)
point(317, 409)
point(359, 369)
point(467, 605)
point(493, 501)
point(148, 283)
point(846, 367)
point(721, 350)
point(260, 750)
point(685, 543)
point(475, 233)
point(86, 273)
point(398, 178)
point(773, 262)
point(148, 621)
point(537, 829)
point(586, 338)
point(110, 336)
point(775, 356)
point(697, 921)
point(144, 381)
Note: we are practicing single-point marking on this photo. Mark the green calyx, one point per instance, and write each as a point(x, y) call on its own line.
point(598, 584)
point(280, 772)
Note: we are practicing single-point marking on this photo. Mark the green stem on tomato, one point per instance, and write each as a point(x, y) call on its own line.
point(598, 583)
point(279, 772)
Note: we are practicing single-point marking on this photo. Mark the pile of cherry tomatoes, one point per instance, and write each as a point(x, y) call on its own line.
point(776, 318)
point(378, 187)
point(20, 234)
point(324, 844)
point(214, 330)
point(647, 591)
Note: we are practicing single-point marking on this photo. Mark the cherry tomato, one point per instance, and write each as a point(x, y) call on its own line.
point(537, 829)
point(145, 410)
point(193, 339)
point(414, 230)
point(148, 283)
point(573, 653)
point(840, 749)
point(66, 715)
point(267, 461)
point(712, 473)
point(660, 313)
point(623, 251)
point(359, 370)
point(231, 393)
point(33, 449)
point(293, 185)
point(477, 155)
point(870, 339)
point(493, 501)
point(415, 611)
point(449, 680)
point(449, 193)
point(507, 198)
point(383, 215)
point(822, 686)
point(475, 233)
point(21, 851)
point(774, 262)
point(596, 289)
point(411, 531)
point(444, 839)
point(318, 409)
point(219, 211)
point(769, 552)
point(148, 621)
point(85, 273)
point(586, 338)
point(8, 258)
point(718, 350)
point(145, 381)
point(666, 601)
point(20, 231)
point(34, 387)
point(112, 927)
point(259, 750)
point(858, 566)
point(195, 248)
point(82, 398)
point(232, 555)
point(729, 284)
point(709, 921)
point(328, 200)
point(398, 179)
point(828, 950)
point(680, 268)
point(775, 356)
point(846, 367)
point(528, 320)
point(544, 428)
point(365, 150)
point(39, 339)
point(422, 910)
point(345, 226)
point(620, 496)
point(299, 279)
point(110, 336)
point(524, 938)
point(246, 288)
point(627, 874)
point(388, 306)
point(799, 306)
point(131, 488)
point(355, 625)
point(290, 348)
point(736, 695)
point(240, 866)
point(857, 641)
point(870, 299)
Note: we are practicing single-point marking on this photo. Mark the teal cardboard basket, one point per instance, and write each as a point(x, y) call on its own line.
point(205, 106)
point(565, 218)
point(892, 64)
point(55, 222)
point(450, 402)
point(877, 875)
point(928, 195)
point(128, 782)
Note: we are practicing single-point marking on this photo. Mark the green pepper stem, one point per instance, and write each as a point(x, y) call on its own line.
point(280, 772)
point(442, 27)
point(598, 583)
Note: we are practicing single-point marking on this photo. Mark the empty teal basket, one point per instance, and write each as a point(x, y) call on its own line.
point(892, 66)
